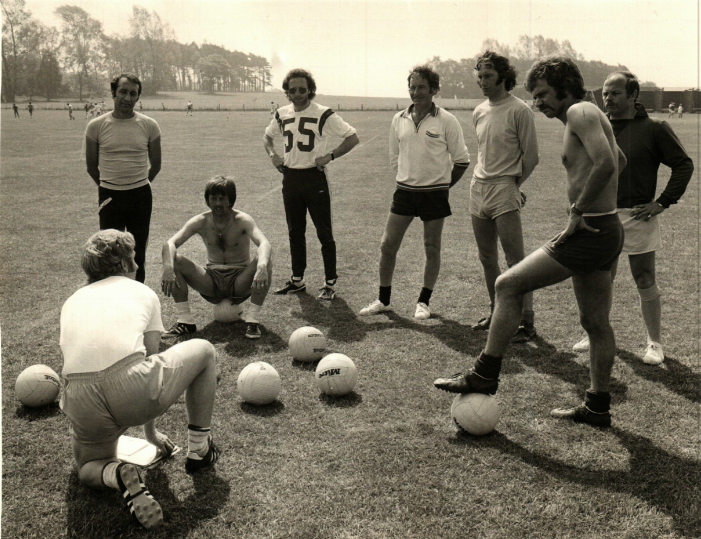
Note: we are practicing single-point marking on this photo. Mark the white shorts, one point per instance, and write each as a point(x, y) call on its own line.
point(641, 236)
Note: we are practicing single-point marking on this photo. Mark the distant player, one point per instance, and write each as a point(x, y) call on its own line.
point(273, 108)
point(114, 377)
point(87, 109)
point(15, 109)
point(671, 109)
point(427, 150)
point(70, 111)
point(585, 250)
point(230, 272)
point(98, 110)
point(123, 157)
point(507, 155)
point(306, 128)
point(30, 108)
point(646, 142)
point(189, 108)
point(680, 110)
point(163, 107)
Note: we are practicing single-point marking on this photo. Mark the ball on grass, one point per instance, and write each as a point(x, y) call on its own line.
point(258, 383)
point(307, 344)
point(225, 311)
point(475, 413)
point(37, 385)
point(336, 375)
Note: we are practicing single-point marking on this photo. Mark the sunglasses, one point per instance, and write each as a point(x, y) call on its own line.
point(293, 91)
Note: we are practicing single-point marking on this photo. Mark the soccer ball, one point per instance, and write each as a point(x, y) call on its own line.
point(225, 311)
point(475, 413)
point(37, 385)
point(307, 344)
point(258, 383)
point(336, 375)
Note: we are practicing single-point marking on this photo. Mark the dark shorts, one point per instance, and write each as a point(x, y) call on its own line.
point(585, 252)
point(428, 205)
point(224, 280)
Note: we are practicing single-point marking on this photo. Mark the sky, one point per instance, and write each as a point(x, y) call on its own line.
point(367, 47)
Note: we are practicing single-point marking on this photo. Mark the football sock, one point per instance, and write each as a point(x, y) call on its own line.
point(253, 313)
point(184, 314)
point(197, 438)
point(331, 282)
point(109, 475)
point(488, 366)
point(297, 280)
point(425, 295)
point(385, 293)
point(597, 401)
point(527, 318)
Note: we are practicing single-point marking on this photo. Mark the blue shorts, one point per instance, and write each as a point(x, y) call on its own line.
point(428, 205)
point(584, 251)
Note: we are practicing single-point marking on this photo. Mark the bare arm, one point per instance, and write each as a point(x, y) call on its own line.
point(269, 146)
point(152, 340)
point(262, 277)
point(170, 248)
point(92, 159)
point(529, 145)
point(346, 146)
point(154, 157)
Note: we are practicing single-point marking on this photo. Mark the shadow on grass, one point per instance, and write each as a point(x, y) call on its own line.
point(664, 480)
point(274, 408)
point(37, 414)
point(306, 365)
point(342, 323)
point(673, 375)
point(344, 401)
point(103, 514)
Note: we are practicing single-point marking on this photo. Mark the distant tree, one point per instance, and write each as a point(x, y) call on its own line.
point(48, 80)
point(83, 46)
point(150, 35)
point(214, 69)
point(14, 15)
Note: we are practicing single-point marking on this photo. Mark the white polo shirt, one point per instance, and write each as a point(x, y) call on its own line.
point(424, 155)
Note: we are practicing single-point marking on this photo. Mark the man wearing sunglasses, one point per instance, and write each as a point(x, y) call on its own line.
point(306, 128)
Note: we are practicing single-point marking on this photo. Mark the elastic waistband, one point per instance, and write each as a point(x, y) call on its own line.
point(612, 212)
point(500, 179)
point(98, 376)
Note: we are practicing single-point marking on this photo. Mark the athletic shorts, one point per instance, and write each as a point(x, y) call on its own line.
point(224, 280)
point(428, 205)
point(102, 405)
point(641, 236)
point(492, 198)
point(584, 251)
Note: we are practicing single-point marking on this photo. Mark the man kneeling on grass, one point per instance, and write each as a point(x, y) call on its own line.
point(230, 273)
point(114, 377)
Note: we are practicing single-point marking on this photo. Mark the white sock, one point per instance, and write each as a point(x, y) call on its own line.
point(253, 313)
point(197, 440)
point(184, 314)
point(109, 475)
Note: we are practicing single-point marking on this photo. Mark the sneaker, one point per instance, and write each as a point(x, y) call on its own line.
point(422, 311)
point(292, 287)
point(525, 333)
point(327, 293)
point(141, 504)
point(582, 414)
point(252, 330)
point(582, 346)
point(483, 324)
point(469, 382)
point(654, 354)
point(196, 463)
point(179, 329)
point(376, 307)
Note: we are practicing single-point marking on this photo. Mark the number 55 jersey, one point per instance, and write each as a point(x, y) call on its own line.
point(307, 132)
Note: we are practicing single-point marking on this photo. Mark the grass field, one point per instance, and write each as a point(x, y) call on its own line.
point(386, 461)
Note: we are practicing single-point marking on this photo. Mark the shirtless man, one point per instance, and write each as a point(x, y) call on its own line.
point(585, 250)
point(230, 273)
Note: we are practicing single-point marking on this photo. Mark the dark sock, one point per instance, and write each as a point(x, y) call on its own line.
point(527, 318)
point(425, 295)
point(597, 401)
point(488, 366)
point(385, 293)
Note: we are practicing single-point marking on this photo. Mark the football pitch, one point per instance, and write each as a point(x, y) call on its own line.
point(385, 461)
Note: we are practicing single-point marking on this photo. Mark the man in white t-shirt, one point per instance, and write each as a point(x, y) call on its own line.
point(114, 377)
point(507, 154)
point(123, 156)
point(306, 128)
point(427, 150)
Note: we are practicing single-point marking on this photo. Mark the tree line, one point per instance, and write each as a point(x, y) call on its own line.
point(78, 57)
point(458, 77)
